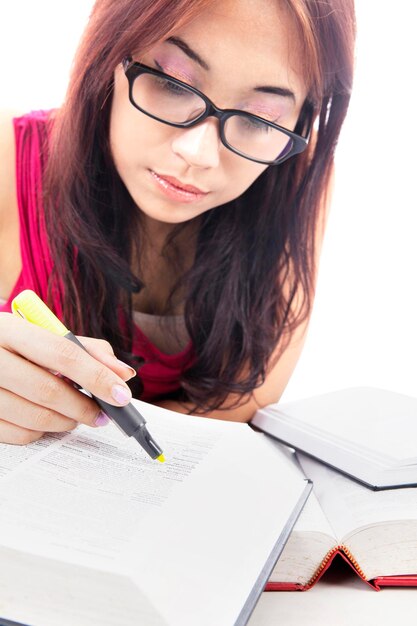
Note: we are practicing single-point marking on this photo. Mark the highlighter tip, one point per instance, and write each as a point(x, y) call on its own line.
point(161, 458)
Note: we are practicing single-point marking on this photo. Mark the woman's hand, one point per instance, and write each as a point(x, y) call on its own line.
point(33, 400)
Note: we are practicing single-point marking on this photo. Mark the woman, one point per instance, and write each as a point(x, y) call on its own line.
point(174, 207)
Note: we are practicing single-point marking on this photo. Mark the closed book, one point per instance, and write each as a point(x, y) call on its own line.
point(369, 434)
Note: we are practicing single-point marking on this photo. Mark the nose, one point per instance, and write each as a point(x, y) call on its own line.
point(199, 145)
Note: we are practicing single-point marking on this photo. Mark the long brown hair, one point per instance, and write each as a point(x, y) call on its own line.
point(255, 244)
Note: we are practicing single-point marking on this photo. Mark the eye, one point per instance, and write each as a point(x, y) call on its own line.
point(172, 88)
point(252, 124)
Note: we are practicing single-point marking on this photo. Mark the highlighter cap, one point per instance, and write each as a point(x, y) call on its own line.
point(29, 306)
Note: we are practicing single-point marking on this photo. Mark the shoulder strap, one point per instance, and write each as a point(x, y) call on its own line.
point(31, 136)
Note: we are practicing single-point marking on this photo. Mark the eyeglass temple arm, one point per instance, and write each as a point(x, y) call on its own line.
point(126, 61)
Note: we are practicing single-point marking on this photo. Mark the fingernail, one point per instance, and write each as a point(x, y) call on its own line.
point(101, 419)
point(121, 394)
point(133, 371)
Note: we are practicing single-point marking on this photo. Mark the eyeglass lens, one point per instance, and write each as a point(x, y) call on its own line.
point(173, 103)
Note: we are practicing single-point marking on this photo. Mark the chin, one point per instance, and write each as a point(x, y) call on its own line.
point(165, 210)
point(174, 215)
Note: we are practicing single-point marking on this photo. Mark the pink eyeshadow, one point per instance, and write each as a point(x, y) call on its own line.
point(175, 68)
point(270, 112)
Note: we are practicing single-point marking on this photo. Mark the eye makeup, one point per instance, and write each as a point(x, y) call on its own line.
point(273, 111)
point(272, 106)
point(175, 71)
point(175, 64)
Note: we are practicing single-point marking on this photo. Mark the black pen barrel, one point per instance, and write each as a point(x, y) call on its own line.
point(127, 418)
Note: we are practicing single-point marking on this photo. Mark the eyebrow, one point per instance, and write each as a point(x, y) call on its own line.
point(192, 54)
point(278, 91)
point(180, 43)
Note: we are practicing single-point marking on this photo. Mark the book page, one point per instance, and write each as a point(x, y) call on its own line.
point(241, 497)
point(313, 519)
point(309, 542)
point(193, 532)
point(12, 457)
point(351, 506)
point(88, 489)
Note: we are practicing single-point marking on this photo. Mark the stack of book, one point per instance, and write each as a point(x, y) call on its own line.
point(358, 446)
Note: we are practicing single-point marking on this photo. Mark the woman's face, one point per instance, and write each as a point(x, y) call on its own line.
point(227, 52)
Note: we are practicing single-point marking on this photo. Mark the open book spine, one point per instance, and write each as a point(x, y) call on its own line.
point(346, 554)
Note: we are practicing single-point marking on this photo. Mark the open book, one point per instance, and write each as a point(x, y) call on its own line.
point(368, 434)
point(95, 533)
point(375, 531)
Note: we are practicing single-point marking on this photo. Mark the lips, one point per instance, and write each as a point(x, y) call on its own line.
point(171, 180)
point(176, 190)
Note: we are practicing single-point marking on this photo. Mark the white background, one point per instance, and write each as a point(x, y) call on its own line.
point(363, 325)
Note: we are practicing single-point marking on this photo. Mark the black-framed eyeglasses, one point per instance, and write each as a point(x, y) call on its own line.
point(175, 103)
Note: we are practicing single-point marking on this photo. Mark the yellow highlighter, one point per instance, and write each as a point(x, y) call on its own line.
point(29, 306)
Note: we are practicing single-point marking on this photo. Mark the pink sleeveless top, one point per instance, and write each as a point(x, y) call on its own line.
point(161, 372)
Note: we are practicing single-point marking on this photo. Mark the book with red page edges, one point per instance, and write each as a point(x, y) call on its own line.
point(375, 532)
point(344, 553)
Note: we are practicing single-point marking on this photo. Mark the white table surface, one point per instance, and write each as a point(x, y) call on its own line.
point(340, 598)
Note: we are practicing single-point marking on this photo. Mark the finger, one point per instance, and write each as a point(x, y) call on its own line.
point(102, 351)
point(98, 346)
point(59, 354)
point(10, 433)
point(28, 415)
point(49, 392)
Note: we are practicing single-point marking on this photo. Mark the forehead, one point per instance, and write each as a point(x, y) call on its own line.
point(255, 41)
